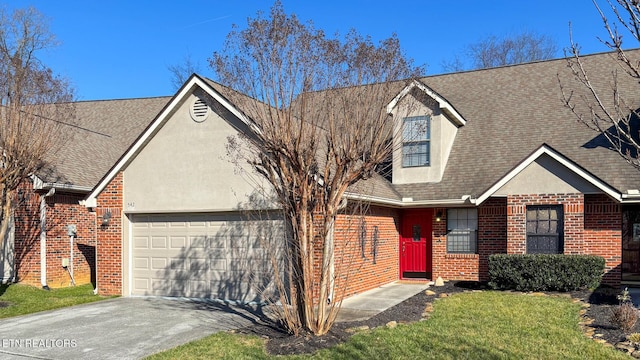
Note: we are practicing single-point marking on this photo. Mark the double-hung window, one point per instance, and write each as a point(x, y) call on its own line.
point(462, 231)
point(416, 139)
point(545, 229)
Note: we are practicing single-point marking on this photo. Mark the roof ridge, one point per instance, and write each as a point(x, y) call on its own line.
point(123, 99)
point(564, 58)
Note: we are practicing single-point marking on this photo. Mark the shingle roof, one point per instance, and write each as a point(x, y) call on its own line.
point(511, 111)
point(102, 132)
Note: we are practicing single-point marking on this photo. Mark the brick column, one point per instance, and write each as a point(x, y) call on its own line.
point(109, 238)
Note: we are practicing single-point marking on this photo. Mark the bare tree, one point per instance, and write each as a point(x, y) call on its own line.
point(320, 127)
point(499, 51)
point(611, 111)
point(181, 72)
point(34, 104)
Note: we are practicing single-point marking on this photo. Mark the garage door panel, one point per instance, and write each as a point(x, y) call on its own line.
point(202, 255)
point(159, 242)
point(198, 264)
point(198, 242)
point(141, 263)
point(141, 284)
point(178, 242)
point(159, 263)
point(140, 242)
point(218, 264)
point(178, 264)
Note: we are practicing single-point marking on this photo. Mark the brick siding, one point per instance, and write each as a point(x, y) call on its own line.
point(603, 234)
point(491, 239)
point(27, 235)
point(592, 226)
point(109, 238)
point(62, 210)
point(362, 263)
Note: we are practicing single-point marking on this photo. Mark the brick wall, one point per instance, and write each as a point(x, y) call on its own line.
point(27, 235)
point(573, 206)
point(603, 234)
point(592, 226)
point(361, 262)
point(492, 239)
point(109, 238)
point(63, 210)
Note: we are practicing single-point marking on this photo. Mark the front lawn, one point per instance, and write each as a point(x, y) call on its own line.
point(473, 325)
point(18, 299)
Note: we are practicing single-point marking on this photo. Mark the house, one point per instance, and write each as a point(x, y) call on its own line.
point(486, 161)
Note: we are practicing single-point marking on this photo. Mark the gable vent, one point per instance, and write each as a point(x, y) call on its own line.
point(199, 110)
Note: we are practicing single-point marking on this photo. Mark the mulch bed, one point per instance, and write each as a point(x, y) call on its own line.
point(279, 342)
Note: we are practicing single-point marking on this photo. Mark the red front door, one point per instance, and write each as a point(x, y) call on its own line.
point(415, 244)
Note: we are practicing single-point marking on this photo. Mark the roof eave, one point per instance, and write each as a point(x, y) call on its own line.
point(39, 184)
point(463, 201)
point(443, 104)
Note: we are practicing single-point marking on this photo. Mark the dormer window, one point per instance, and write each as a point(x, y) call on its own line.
point(416, 139)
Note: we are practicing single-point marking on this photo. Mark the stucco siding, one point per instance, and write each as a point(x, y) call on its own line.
point(443, 133)
point(185, 167)
point(546, 176)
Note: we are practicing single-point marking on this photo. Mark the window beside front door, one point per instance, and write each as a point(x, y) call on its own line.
point(462, 230)
point(545, 229)
point(416, 137)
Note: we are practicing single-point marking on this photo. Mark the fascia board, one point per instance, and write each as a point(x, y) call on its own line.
point(444, 105)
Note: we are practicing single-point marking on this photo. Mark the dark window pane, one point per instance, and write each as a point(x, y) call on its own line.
point(544, 229)
point(417, 232)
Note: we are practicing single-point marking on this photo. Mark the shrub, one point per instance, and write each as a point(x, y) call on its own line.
point(545, 272)
point(624, 316)
point(635, 337)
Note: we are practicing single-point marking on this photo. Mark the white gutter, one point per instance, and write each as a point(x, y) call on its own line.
point(465, 200)
point(630, 198)
point(38, 184)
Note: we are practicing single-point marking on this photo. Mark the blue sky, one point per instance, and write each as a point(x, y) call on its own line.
point(121, 49)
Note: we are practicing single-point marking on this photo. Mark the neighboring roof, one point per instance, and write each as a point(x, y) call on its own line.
point(102, 132)
point(511, 111)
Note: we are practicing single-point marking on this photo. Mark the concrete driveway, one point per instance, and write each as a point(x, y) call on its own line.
point(123, 328)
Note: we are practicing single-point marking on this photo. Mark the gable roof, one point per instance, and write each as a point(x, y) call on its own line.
point(509, 114)
point(567, 163)
point(190, 85)
point(512, 111)
point(444, 105)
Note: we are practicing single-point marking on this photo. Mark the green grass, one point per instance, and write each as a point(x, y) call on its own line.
point(478, 325)
point(25, 299)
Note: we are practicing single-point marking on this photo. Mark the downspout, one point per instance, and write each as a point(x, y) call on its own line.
point(43, 238)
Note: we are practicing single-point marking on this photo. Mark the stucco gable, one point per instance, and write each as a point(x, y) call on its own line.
point(549, 163)
point(193, 83)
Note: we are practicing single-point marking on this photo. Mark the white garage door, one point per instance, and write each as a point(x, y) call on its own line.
point(219, 256)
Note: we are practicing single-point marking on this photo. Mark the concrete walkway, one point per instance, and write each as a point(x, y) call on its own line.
point(369, 303)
